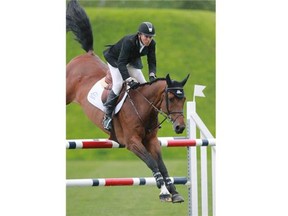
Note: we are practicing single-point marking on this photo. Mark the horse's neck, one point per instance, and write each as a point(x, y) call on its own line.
point(154, 92)
point(148, 98)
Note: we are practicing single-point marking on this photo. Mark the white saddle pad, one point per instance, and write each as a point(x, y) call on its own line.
point(94, 97)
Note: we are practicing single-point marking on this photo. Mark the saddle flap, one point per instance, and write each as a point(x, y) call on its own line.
point(98, 92)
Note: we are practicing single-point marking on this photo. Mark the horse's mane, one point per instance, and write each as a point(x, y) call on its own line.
point(149, 83)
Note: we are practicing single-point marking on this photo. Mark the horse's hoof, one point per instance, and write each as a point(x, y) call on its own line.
point(177, 198)
point(165, 197)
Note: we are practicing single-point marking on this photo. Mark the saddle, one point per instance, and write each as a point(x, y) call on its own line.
point(98, 94)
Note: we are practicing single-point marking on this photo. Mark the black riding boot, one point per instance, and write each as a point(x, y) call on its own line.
point(110, 106)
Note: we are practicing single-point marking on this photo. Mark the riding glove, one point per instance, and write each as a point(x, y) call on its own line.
point(152, 77)
point(132, 83)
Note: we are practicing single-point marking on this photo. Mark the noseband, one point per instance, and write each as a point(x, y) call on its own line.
point(177, 91)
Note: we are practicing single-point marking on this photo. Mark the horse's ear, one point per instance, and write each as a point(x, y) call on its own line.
point(185, 80)
point(168, 80)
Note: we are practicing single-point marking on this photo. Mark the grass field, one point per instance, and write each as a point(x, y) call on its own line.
point(185, 44)
point(122, 201)
point(130, 200)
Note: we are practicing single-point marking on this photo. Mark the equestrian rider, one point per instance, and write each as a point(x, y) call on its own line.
point(124, 62)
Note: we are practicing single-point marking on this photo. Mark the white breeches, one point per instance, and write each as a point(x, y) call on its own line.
point(117, 78)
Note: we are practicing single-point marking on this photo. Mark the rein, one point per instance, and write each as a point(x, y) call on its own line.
point(159, 111)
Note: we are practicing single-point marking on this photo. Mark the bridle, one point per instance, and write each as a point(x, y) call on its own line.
point(169, 113)
point(172, 90)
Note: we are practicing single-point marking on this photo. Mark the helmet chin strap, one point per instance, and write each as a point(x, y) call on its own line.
point(139, 36)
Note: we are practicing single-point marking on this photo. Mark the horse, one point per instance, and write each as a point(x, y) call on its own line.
point(136, 125)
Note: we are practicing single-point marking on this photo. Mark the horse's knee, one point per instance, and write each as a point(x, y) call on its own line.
point(139, 150)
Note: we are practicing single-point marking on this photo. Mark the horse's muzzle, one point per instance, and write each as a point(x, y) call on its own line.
point(178, 128)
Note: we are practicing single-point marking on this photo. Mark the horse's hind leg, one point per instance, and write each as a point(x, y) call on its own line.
point(138, 149)
point(70, 87)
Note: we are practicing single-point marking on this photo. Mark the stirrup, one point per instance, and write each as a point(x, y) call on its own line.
point(107, 123)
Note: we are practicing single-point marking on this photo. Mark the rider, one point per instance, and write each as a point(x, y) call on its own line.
point(124, 62)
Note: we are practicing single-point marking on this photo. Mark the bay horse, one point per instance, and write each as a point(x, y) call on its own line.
point(136, 125)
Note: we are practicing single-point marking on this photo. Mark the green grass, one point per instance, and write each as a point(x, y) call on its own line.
point(185, 44)
point(130, 200)
point(121, 201)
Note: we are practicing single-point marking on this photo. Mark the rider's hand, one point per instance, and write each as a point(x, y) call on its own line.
point(131, 83)
point(152, 77)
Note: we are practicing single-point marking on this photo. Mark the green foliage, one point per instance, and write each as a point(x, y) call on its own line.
point(180, 4)
point(185, 44)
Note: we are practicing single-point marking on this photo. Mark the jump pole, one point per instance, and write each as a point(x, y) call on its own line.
point(163, 141)
point(144, 181)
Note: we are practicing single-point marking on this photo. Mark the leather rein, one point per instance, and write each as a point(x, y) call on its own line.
point(166, 116)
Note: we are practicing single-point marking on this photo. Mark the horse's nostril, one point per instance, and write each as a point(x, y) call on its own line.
point(179, 128)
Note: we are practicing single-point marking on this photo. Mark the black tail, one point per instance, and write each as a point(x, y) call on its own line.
point(78, 22)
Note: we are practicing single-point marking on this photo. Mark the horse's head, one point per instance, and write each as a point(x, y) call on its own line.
point(174, 103)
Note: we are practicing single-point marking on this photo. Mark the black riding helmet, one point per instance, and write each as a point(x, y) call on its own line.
point(147, 28)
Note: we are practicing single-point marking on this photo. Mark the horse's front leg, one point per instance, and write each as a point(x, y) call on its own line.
point(155, 150)
point(176, 197)
point(138, 149)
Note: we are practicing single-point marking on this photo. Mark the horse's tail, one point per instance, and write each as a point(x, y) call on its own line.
point(78, 22)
